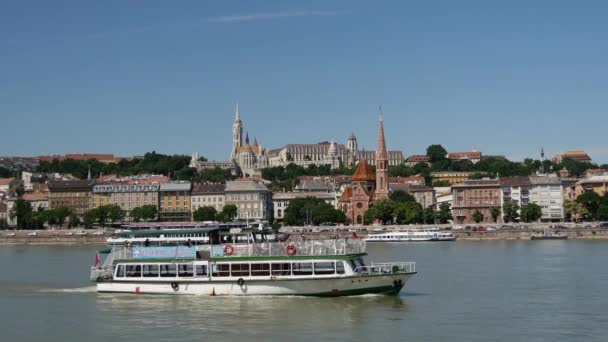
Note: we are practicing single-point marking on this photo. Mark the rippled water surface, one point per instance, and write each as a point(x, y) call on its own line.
point(465, 291)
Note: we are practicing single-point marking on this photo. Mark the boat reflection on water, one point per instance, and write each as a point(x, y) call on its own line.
point(262, 316)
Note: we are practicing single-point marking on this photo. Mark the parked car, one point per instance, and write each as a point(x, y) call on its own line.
point(32, 234)
point(98, 233)
point(457, 227)
point(491, 228)
point(9, 234)
point(69, 234)
point(81, 233)
point(603, 225)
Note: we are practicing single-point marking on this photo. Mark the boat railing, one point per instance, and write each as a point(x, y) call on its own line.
point(98, 274)
point(387, 268)
point(291, 248)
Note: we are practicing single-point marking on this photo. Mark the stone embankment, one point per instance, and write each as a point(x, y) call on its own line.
point(30, 237)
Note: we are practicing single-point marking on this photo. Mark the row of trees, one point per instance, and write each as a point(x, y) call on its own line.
point(178, 166)
point(228, 214)
point(312, 211)
point(587, 206)
point(402, 208)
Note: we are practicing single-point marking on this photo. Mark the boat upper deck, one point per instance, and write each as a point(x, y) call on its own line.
point(231, 251)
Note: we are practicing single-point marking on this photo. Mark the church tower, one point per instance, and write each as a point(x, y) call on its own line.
point(237, 133)
point(381, 165)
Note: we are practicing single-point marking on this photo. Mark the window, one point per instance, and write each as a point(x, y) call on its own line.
point(201, 270)
point(120, 272)
point(260, 269)
point(133, 271)
point(185, 270)
point(324, 268)
point(281, 269)
point(220, 270)
point(150, 271)
point(340, 267)
point(240, 270)
point(302, 268)
point(168, 270)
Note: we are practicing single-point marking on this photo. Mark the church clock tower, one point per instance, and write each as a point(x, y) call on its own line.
point(381, 165)
point(237, 133)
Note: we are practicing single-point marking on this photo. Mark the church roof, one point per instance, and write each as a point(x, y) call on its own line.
point(363, 172)
point(347, 194)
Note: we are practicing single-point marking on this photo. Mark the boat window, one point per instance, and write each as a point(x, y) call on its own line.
point(260, 269)
point(185, 270)
point(302, 268)
point(201, 270)
point(361, 263)
point(150, 270)
point(340, 267)
point(240, 270)
point(281, 269)
point(220, 270)
point(120, 272)
point(168, 270)
point(324, 267)
point(133, 271)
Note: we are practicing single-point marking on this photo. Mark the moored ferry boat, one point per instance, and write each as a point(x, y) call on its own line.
point(411, 235)
point(241, 262)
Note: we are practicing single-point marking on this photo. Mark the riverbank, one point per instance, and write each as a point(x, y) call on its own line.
point(80, 237)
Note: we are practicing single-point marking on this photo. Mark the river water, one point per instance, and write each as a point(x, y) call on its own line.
point(464, 291)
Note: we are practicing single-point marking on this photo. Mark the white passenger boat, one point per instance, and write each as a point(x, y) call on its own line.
point(412, 235)
point(213, 262)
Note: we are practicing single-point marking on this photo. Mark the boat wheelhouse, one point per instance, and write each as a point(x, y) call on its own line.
point(240, 262)
point(411, 235)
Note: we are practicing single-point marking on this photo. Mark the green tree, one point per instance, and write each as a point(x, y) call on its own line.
point(445, 214)
point(74, 220)
point(136, 214)
point(401, 196)
point(591, 201)
point(408, 212)
point(428, 215)
point(531, 212)
point(369, 216)
point(384, 210)
point(149, 212)
point(228, 213)
point(115, 213)
point(477, 216)
point(511, 211)
point(89, 218)
point(61, 214)
point(311, 210)
point(602, 210)
point(3, 223)
point(495, 212)
point(22, 212)
point(204, 214)
point(436, 153)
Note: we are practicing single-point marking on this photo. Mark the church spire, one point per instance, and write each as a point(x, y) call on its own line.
point(381, 152)
point(247, 138)
point(237, 117)
point(255, 141)
point(381, 164)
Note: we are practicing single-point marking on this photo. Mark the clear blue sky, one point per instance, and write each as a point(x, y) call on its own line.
point(126, 77)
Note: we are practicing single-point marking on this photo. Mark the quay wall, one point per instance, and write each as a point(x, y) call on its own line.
point(63, 237)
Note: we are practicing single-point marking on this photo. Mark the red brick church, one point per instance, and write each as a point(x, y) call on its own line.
point(365, 187)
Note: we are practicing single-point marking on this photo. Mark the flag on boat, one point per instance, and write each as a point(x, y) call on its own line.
point(96, 259)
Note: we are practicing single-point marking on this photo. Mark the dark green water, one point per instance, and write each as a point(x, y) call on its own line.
point(465, 291)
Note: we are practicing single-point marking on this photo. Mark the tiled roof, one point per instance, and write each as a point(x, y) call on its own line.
point(417, 158)
point(175, 186)
point(545, 180)
point(35, 196)
point(245, 185)
point(208, 188)
point(477, 183)
point(363, 172)
point(464, 155)
point(292, 195)
point(78, 184)
point(515, 181)
point(6, 181)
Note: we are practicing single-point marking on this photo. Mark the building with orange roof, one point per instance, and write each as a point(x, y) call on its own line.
point(578, 155)
point(366, 187)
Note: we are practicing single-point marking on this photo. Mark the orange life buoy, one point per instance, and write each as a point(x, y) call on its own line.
point(290, 249)
point(228, 250)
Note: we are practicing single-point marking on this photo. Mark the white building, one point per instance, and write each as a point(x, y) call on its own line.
point(252, 198)
point(208, 195)
point(515, 189)
point(547, 191)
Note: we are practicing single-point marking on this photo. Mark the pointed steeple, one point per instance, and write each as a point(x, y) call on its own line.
point(381, 152)
point(247, 138)
point(255, 141)
point(237, 117)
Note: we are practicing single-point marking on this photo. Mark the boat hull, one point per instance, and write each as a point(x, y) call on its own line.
point(389, 284)
point(564, 237)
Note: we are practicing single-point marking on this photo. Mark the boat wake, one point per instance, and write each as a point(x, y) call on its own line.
point(86, 289)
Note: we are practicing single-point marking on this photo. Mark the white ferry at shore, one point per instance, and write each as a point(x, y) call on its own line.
point(413, 235)
point(214, 262)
